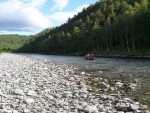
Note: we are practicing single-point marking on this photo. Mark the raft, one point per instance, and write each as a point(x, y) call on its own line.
point(89, 57)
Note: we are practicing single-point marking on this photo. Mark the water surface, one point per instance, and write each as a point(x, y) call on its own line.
point(100, 63)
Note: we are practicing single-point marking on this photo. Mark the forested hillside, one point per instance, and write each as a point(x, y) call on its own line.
point(9, 43)
point(107, 27)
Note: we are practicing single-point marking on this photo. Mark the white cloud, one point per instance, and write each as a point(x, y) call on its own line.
point(22, 15)
point(80, 8)
point(60, 4)
point(35, 3)
point(62, 17)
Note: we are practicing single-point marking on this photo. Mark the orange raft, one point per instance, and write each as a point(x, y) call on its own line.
point(89, 57)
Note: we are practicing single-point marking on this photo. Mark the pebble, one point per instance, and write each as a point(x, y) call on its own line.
point(91, 109)
point(83, 73)
point(15, 111)
point(134, 107)
point(143, 107)
point(39, 86)
point(118, 84)
point(31, 93)
point(29, 101)
point(18, 92)
point(26, 111)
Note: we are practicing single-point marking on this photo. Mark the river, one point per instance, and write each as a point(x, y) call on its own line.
point(111, 68)
point(100, 63)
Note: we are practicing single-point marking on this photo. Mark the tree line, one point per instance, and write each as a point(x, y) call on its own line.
point(108, 26)
point(10, 43)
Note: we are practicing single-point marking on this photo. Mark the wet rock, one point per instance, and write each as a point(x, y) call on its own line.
point(107, 103)
point(103, 84)
point(122, 106)
point(143, 107)
point(100, 72)
point(134, 107)
point(112, 89)
point(105, 80)
point(136, 80)
point(147, 111)
point(132, 86)
point(118, 84)
point(83, 73)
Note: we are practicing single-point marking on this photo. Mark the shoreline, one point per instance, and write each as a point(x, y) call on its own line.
point(144, 57)
point(29, 83)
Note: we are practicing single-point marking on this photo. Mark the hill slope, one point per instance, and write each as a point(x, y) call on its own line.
point(9, 43)
point(107, 27)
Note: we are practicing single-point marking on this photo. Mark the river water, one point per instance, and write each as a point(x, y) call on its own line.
point(127, 65)
point(110, 68)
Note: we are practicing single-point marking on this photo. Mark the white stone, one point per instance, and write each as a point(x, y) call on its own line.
point(29, 101)
point(18, 92)
point(118, 84)
point(50, 97)
point(7, 74)
point(83, 73)
point(100, 72)
point(31, 93)
point(15, 111)
point(7, 111)
point(26, 111)
point(91, 109)
point(134, 107)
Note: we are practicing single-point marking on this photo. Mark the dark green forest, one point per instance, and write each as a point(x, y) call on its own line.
point(107, 27)
point(10, 43)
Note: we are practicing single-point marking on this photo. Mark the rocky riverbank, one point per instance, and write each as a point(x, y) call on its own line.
point(29, 85)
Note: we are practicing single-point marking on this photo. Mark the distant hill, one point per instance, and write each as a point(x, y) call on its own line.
point(9, 43)
point(106, 27)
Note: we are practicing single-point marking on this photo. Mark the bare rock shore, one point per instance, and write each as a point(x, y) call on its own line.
point(29, 85)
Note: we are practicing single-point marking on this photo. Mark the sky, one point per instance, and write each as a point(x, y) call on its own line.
point(28, 17)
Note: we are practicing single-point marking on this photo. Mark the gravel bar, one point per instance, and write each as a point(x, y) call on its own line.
point(30, 85)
